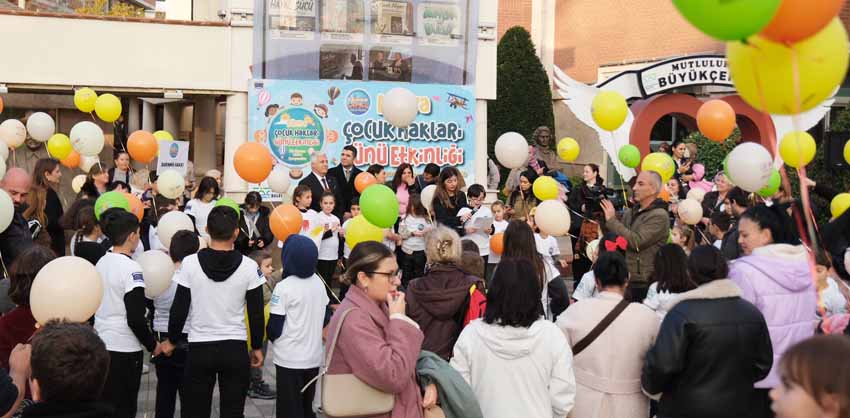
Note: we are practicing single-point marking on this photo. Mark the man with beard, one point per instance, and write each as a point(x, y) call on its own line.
point(16, 238)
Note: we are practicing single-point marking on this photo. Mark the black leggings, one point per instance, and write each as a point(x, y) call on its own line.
point(412, 266)
point(225, 361)
point(326, 269)
point(122, 383)
point(291, 403)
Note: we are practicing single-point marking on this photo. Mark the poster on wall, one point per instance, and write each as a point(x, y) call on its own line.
point(296, 119)
point(293, 19)
point(439, 24)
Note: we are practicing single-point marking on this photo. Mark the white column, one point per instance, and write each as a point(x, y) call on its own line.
point(148, 116)
point(171, 119)
point(543, 32)
point(134, 121)
point(479, 158)
point(204, 127)
point(235, 134)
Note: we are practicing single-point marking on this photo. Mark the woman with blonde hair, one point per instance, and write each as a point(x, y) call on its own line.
point(438, 298)
point(45, 206)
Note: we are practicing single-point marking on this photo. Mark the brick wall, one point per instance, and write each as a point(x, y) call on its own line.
point(514, 13)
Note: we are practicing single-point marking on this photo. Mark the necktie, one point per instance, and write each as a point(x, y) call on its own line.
point(347, 174)
point(325, 184)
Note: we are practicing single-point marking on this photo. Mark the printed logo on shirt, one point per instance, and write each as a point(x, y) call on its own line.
point(275, 299)
point(138, 278)
point(260, 273)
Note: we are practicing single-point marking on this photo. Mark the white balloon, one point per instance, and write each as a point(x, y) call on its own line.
point(512, 150)
point(696, 194)
point(13, 133)
point(278, 181)
point(400, 107)
point(750, 166)
point(87, 138)
point(171, 184)
point(41, 126)
point(4, 151)
point(592, 250)
point(427, 197)
point(552, 217)
point(690, 211)
point(7, 210)
point(157, 269)
point(77, 183)
point(66, 288)
point(2, 169)
point(87, 162)
point(170, 223)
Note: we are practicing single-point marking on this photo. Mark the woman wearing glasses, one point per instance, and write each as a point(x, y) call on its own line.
point(436, 299)
point(378, 343)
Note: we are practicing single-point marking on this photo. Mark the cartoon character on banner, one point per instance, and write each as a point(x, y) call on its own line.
point(321, 111)
point(271, 110)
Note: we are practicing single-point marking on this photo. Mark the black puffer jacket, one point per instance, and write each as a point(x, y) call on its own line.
point(711, 348)
point(263, 232)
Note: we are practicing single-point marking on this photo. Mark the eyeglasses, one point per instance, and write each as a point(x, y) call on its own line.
point(392, 275)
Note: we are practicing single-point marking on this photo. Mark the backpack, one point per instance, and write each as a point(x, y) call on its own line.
point(477, 305)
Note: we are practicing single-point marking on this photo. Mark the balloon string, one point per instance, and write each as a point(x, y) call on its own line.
point(617, 166)
point(3, 264)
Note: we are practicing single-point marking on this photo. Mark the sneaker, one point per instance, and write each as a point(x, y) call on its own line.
point(261, 390)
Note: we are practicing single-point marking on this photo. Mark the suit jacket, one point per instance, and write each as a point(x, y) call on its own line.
point(346, 190)
point(316, 187)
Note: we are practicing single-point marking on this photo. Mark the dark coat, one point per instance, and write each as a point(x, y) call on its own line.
point(53, 210)
point(711, 348)
point(448, 216)
point(437, 302)
point(264, 232)
point(316, 187)
point(15, 239)
point(346, 189)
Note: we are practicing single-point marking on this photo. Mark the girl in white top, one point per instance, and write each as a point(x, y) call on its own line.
point(329, 246)
point(87, 228)
point(302, 198)
point(204, 201)
point(586, 287)
point(412, 229)
point(670, 278)
point(475, 197)
point(499, 226)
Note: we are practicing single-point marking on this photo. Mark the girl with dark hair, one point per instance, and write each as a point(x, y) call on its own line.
point(522, 199)
point(199, 208)
point(635, 327)
point(815, 379)
point(519, 242)
point(669, 277)
point(121, 171)
point(404, 184)
point(611, 242)
point(377, 170)
point(254, 231)
point(684, 173)
point(45, 206)
point(774, 275)
point(96, 183)
point(514, 344)
point(586, 213)
point(412, 229)
point(86, 227)
point(449, 200)
point(712, 346)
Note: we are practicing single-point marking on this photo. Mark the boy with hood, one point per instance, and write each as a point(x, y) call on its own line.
point(218, 282)
point(300, 303)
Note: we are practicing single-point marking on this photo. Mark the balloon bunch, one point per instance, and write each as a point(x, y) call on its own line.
point(107, 106)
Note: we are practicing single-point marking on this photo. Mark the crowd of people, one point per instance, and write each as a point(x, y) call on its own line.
point(665, 319)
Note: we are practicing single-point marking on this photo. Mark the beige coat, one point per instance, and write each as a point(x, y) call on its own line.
point(608, 371)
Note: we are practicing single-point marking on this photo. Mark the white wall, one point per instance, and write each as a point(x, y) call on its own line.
point(131, 55)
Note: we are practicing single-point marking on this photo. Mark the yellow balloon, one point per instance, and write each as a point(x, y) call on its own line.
point(59, 146)
point(847, 151)
point(797, 149)
point(568, 149)
point(609, 110)
point(839, 204)
point(763, 71)
point(163, 136)
point(85, 99)
point(108, 107)
point(360, 230)
point(660, 163)
point(545, 188)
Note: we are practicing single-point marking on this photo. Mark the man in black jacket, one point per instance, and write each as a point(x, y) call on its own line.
point(17, 237)
point(738, 202)
point(344, 175)
point(319, 181)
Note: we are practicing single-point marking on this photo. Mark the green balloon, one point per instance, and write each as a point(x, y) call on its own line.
point(629, 155)
point(226, 201)
point(110, 200)
point(379, 205)
point(772, 185)
point(726, 168)
point(728, 20)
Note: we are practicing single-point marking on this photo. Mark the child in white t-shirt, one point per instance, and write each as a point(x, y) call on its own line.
point(298, 313)
point(329, 246)
point(413, 229)
point(302, 198)
point(475, 197)
point(204, 201)
point(346, 250)
point(499, 226)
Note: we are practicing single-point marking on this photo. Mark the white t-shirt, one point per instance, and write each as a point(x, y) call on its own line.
point(309, 227)
point(329, 247)
point(302, 302)
point(480, 238)
point(200, 210)
point(655, 299)
point(74, 241)
point(346, 250)
point(548, 249)
point(120, 276)
point(498, 226)
point(162, 310)
point(586, 287)
point(218, 308)
point(409, 225)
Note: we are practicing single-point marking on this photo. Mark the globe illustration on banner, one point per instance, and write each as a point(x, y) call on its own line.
point(294, 134)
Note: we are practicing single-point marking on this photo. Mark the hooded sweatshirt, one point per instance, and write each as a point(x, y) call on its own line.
point(517, 372)
point(437, 302)
point(776, 278)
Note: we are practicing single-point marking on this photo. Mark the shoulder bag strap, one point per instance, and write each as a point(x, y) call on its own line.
point(330, 354)
point(600, 327)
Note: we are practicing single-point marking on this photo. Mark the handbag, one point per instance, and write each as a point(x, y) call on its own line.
point(434, 412)
point(600, 327)
point(345, 395)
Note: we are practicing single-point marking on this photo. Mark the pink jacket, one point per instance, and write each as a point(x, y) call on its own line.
point(380, 351)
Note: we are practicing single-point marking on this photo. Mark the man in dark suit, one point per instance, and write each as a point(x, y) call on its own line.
point(344, 175)
point(319, 181)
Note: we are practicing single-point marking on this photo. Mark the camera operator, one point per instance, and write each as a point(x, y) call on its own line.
point(584, 202)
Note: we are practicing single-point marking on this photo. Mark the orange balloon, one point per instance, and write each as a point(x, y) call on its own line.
point(664, 195)
point(142, 146)
point(72, 160)
point(136, 206)
point(284, 221)
point(253, 162)
point(1, 105)
point(497, 243)
point(799, 19)
point(364, 180)
point(716, 120)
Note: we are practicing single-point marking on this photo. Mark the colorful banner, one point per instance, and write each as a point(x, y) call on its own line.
point(298, 118)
